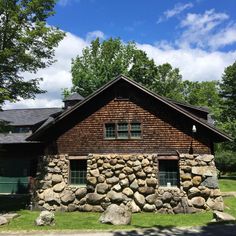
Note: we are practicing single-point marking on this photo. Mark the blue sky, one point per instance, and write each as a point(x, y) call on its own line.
point(198, 37)
point(143, 21)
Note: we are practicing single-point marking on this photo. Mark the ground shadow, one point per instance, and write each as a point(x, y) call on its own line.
point(228, 177)
point(208, 230)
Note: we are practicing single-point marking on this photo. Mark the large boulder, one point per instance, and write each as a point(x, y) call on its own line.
point(166, 197)
point(210, 182)
point(204, 170)
point(116, 215)
point(56, 178)
point(102, 188)
point(80, 193)
point(50, 196)
point(198, 201)
point(45, 218)
point(222, 216)
point(139, 199)
point(3, 220)
point(67, 197)
point(116, 197)
point(94, 198)
point(59, 187)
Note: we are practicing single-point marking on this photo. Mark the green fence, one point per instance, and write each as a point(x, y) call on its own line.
point(14, 184)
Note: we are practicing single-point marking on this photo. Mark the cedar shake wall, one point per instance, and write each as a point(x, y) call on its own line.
point(163, 130)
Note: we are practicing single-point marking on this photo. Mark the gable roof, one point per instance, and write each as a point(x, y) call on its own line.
point(223, 136)
point(27, 117)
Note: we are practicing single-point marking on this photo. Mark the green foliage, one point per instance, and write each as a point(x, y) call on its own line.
point(228, 93)
point(26, 44)
point(168, 82)
point(4, 127)
point(103, 61)
point(228, 104)
point(225, 161)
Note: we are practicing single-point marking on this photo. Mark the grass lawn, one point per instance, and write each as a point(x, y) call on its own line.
point(227, 185)
point(89, 221)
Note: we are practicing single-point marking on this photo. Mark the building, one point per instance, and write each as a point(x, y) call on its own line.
point(123, 144)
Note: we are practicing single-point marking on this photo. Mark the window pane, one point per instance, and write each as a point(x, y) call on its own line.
point(122, 130)
point(168, 172)
point(135, 126)
point(122, 127)
point(78, 171)
point(110, 131)
point(135, 131)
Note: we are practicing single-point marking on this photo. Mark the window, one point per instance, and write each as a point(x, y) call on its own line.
point(78, 171)
point(110, 131)
point(168, 173)
point(135, 130)
point(123, 130)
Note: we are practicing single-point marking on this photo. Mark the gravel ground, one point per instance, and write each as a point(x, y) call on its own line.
point(211, 230)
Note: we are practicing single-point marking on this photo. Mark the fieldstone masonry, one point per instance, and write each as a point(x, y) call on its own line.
point(128, 180)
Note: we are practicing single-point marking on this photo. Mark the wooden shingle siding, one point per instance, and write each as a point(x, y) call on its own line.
point(163, 129)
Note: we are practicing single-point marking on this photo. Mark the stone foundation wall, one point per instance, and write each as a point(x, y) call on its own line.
point(130, 180)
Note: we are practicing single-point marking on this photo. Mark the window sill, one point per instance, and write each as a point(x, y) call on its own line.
point(168, 187)
point(77, 185)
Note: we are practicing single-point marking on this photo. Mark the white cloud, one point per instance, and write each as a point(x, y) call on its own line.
point(178, 8)
point(194, 64)
point(94, 34)
point(64, 3)
point(199, 30)
point(223, 38)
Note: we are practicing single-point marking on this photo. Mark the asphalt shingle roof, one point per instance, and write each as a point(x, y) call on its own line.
point(10, 138)
point(24, 117)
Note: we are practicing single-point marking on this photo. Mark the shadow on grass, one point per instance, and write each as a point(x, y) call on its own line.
point(211, 229)
point(228, 177)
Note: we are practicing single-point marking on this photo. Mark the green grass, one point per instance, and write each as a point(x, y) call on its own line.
point(227, 185)
point(89, 221)
point(230, 205)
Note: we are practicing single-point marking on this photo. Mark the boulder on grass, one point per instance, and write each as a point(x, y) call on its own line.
point(116, 215)
point(45, 218)
point(222, 216)
point(3, 220)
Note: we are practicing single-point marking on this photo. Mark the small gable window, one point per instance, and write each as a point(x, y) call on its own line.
point(135, 130)
point(78, 171)
point(168, 173)
point(110, 131)
point(123, 130)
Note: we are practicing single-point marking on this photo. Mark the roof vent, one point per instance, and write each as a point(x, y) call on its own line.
point(72, 99)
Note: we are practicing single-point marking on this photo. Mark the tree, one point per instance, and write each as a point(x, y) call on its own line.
point(226, 152)
point(26, 44)
point(205, 94)
point(102, 61)
point(228, 105)
point(168, 82)
point(228, 93)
